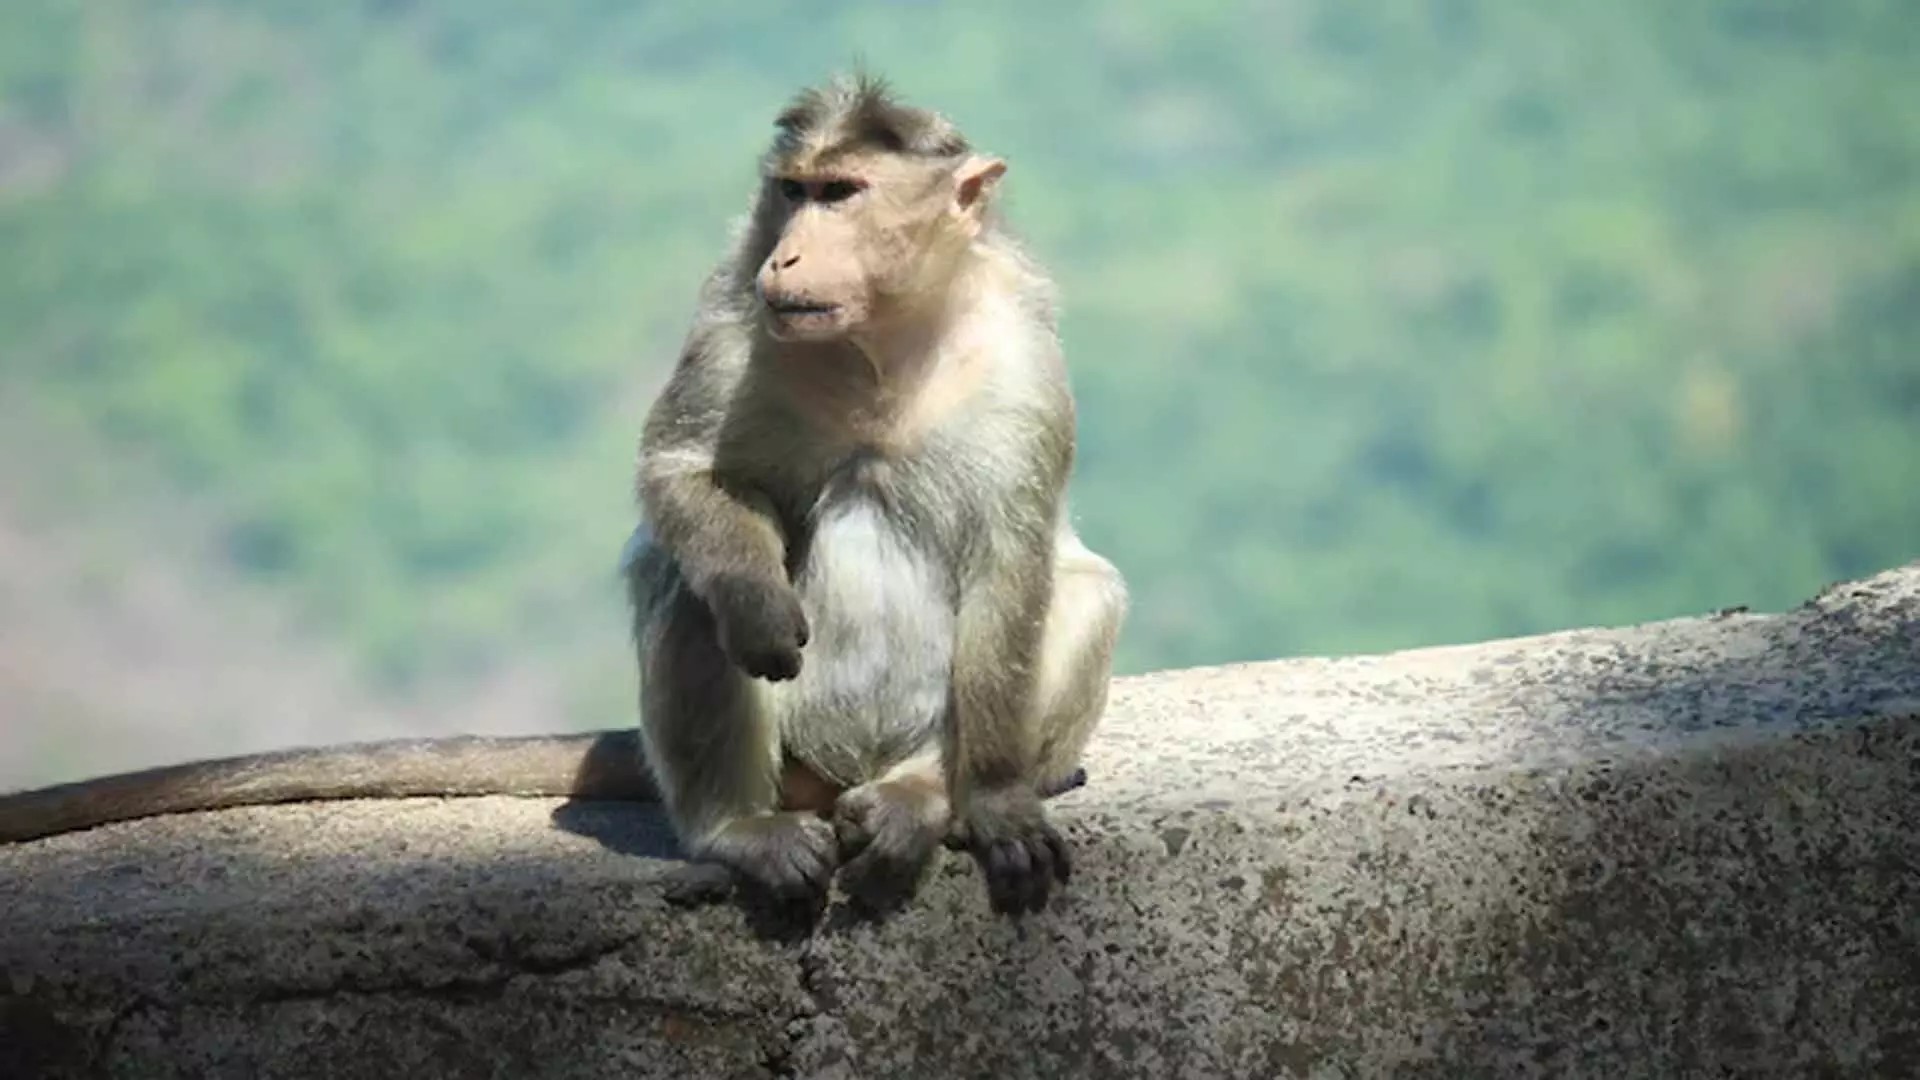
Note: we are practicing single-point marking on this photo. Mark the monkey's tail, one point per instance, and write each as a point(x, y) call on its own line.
point(589, 765)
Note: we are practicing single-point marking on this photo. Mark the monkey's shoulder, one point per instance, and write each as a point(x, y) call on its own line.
point(717, 352)
point(699, 389)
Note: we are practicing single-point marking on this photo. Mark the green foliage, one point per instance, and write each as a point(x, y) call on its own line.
point(1393, 323)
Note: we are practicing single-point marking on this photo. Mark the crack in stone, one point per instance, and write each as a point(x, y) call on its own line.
point(778, 1059)
point(505, 964)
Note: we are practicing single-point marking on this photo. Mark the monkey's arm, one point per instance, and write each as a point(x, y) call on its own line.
point(993, 756)
point(724, 536)
point(716, 535)
point(714, 529)
point(995, 670)
point(1004, 603)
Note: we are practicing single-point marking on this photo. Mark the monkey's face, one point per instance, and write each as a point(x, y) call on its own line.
point(853, 247)
point(813, 285)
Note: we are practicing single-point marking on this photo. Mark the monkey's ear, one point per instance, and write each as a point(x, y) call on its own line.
point(976, 178)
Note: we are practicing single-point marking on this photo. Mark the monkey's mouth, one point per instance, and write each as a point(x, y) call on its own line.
point(791, 317)
point(790, 308)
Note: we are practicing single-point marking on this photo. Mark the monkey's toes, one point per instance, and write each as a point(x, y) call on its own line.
point(1017, 878)
point(1021, 871)
point(888, 872)
point(888, 834)
point(789, 857)
point(811, 857)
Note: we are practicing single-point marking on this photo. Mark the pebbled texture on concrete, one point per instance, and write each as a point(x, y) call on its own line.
point(1686, 848)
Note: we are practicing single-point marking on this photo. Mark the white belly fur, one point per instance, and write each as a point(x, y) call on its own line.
point(873, 681)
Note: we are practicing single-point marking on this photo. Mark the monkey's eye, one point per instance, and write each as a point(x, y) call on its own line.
point(834, 191)
point(793, 190)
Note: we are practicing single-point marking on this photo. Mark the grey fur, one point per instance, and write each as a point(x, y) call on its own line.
point(950, 640)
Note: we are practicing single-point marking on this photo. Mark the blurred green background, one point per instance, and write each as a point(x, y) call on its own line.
point(326, 329)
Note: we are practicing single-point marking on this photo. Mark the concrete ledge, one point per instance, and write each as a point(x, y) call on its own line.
point(1687, 848)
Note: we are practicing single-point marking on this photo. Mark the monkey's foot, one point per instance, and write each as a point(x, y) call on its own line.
point(888, 833)
point(1019, 851)
point(785, 858)
point(956, 835)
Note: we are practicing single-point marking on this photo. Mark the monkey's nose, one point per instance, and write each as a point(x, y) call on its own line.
point(781, 264)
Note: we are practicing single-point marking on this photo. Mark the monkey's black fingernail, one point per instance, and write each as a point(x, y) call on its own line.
point(1040, 856)
point(1000, 880)
point(1019, 862)
point(1005, 894)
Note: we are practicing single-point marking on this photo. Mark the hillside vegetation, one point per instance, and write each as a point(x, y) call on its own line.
point(1392, 323)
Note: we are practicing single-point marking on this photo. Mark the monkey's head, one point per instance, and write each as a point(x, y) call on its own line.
point(866, 208)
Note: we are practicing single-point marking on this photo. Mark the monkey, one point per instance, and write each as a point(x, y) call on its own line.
point(863, 619)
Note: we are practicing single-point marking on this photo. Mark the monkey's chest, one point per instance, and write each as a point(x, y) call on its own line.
point(873, 684)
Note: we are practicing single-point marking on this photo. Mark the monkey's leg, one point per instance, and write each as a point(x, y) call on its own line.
point(1076, 668)
point(1076, 660)
point(890, 828)
point(711, 740)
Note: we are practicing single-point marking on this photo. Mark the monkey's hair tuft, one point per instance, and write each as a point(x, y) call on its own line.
point(861, 110)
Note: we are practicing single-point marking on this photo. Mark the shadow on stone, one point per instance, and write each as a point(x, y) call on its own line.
point(642, 830)
point(626, 817)
point(627, 828)
point(1705, 902)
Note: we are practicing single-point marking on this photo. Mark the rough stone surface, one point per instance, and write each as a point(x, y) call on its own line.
point(1682, 849)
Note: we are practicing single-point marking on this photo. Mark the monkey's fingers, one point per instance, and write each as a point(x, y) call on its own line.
point(806, 871)
point(773, 665)
point(1061, 851)
point(762, 626)
point(1022, 871)
point(790, 857)
point(1007, 869)
point(1053, 855)
point(1038, 884)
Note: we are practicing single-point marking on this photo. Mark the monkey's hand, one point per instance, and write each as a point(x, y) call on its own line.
point(762, 628)
point(1018, 849)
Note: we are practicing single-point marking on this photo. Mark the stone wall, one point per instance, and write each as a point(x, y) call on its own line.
point(1687, 848)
